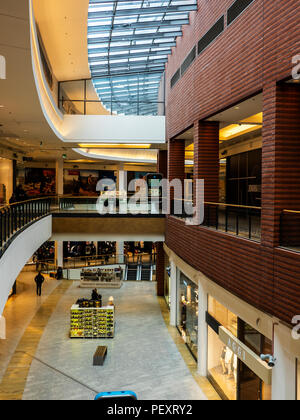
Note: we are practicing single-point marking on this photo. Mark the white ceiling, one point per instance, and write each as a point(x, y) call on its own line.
point(63, 27)
point(23, 127)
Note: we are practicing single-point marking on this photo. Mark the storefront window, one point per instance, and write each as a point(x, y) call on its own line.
point(232, 378)
point(223, 315)
point(259, 345)
point(222, 367)
point(188, 313)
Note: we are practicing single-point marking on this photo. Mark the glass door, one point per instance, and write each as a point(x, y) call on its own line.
point(249, 384)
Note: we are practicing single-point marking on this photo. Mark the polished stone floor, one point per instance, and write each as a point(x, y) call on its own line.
point(143, 356)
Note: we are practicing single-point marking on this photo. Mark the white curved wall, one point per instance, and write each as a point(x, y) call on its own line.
point(90, 128)
point(19, 252)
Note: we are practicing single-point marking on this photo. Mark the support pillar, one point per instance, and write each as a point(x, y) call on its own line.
point(160, 269)
point(162, 163)
point(120, 252)
point(284, 372)
point(202, 330)
point(2, 328)
point(176, 171)
point(280, 157)
point(174, 295)
point(60, 177)
point(206, 158)
point(59, 253)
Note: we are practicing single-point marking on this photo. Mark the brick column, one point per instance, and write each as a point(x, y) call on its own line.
point(160, 269)
point(280, 158)
point(207, 162)
point(176, 166)
point(176, 160)
point(162, 163)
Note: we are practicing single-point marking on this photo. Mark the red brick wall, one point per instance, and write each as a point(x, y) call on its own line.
point(252, 55)
point(265, 278)
point(256, 49)
point(162, 163)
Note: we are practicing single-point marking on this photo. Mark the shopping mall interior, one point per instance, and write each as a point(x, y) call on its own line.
point(150, 200)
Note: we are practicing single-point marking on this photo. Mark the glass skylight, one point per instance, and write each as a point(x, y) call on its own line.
point(128, 46)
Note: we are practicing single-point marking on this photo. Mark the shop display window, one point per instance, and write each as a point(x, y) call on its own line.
point(250, 384)
point(223, 315)
point(188, 313)
point(233, 379)
point(222, 367)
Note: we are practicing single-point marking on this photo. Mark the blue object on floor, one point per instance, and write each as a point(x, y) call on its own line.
point(122, 395)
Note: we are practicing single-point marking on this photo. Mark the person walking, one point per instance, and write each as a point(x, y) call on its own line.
point(39, 279)
point(59, 273)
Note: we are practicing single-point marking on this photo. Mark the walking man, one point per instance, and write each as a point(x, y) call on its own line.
point(39, 281)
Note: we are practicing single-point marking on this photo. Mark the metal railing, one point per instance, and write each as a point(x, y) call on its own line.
point(15, 217)
point(78, 97)
point(96, 260)
point(110, 205)
point(290, 229)
point(243, 221)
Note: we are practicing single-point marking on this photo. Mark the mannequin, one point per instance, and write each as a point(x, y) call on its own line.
point(228, 360)
point(235, 368)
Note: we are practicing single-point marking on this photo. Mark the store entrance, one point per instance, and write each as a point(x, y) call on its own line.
point(249, 384)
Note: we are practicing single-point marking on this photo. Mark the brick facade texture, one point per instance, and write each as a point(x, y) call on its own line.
point(253, 55)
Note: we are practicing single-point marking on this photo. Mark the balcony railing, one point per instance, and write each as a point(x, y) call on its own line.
point(243, 221)
point(111, 206)
point(79, 98)
point(16, 217)
point(290, 229)
point(97, 260)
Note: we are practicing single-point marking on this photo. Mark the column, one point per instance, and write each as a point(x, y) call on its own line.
point(280, 158)
point(60, 177)
point(2, 328)
point(162, 163)
point(6, 177)
point(120, 252)
point(206, 158)
point(176, 170)
point(59, 253)
point(284, 372)
point(202, 330)
point(160, 269)
point(174, 295)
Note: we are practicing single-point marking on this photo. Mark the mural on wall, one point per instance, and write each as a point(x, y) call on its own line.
point(37, 181)
point(84, 182)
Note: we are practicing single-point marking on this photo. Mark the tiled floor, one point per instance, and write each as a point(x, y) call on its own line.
point(142, 357)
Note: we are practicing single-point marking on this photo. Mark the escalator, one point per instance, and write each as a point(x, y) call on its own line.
point(146, 272)
point(132, 272)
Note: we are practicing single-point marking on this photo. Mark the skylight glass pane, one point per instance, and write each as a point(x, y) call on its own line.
point(128, 46)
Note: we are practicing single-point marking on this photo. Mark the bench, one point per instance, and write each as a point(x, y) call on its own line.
point(100, 355)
